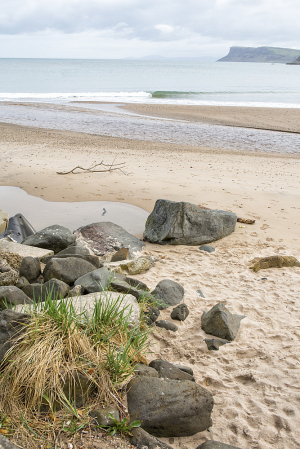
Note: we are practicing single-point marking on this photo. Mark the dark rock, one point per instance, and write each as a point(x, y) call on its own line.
point(184, 368)
point(67, 270)
point(70, 251)
point(169, 293)
point(12, 296)
point(207, 248)
point(137, 283)
point(6, 444)
point(12, 324)
point(180, 313)
point(167, 370)
point(151, 314)
point(55, 238)
point(221, 323)
point(169, 408)
point(122, 254)
point(164, 324)
point(22, 282)
point(144, 370)
point(213, 344)
point(39, 292)
point(102, 416)
point(187, 224)
point(215, 445)
point(143, 440)
point(106, 237)
point(200, 293)
point(30, 268)
point(119, 283)
point(95, 281)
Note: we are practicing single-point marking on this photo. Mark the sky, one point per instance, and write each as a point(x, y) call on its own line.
point(134, 28)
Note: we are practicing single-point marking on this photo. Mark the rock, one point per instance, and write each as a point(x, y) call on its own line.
point(12, 296)
point(102, 416)
point(39, 292)
point(221, 323)
point(14, 260)
point(169, 408)
point(67, 270)
point(105, 237)
point(119, 283)
point(30, 268)
point(6, 444)
point(4, 219)
point(137, 283)
point(187, 224)
point(77, 252)
point(77, 290)
point(167, 325)
point(151, 315)
point(8, 275)
point(262, 263)
point(22, 282)
point(12, 324)
point(95, 281)
point(55, 238)
point(20, 251)
point(143, 440)
point(122, 254)
point(184, 368)
point(170, 293)
point(200, 293)
point(167, 370)
point(213, 344)
point(144, 370)
point(207, 248)
point(132, 267)
point(180, 313)
point(215, 445)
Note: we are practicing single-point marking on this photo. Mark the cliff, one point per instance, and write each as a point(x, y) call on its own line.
point(261, 54)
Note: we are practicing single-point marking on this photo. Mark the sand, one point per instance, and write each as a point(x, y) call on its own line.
point(255, 379)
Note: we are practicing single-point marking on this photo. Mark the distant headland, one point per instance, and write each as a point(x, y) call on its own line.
point(262, 54)
point(296, 62)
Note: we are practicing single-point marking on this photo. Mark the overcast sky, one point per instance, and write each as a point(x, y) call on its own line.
point(122, 28)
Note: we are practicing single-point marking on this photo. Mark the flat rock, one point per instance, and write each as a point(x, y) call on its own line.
point(23, 250)
point(167, 370)
point(67, 270)
point(30, 268)
point(169, 408)
point(40, 292)
point(12, 296)
point(221, 323)
point(215, 445)
point(143, 440)
point(207, 248)
point(55, 238)
point(180, 313)
point(168, 325)
point(187, 224)
point(169, 292)
point(213, 344)
point(106, 237)
point(94, 281)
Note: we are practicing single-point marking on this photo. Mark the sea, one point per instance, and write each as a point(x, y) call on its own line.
point(53, 93)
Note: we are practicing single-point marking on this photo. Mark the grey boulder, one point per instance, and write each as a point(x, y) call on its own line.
point(169, 293)
point(180, 313)
point(215, 445)
point(54, 237)
point(77, 252)
point(67, 270)
point(30, 268)
point(169, 408)
point(105, 237)
point(95, 281)
point(180, 223)
point(11, 296)
point(221, 323)
point(167, 370)
point(39, 292)
point(12, 324)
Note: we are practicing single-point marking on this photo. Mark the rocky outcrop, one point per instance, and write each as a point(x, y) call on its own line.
point(55, 238)
point(260, 54)
point(221, 323)
point(169, 408)
point(105, 237)
point(187, 224)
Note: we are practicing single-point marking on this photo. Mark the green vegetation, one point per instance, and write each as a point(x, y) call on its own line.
point(124, 426)
point(261, 54)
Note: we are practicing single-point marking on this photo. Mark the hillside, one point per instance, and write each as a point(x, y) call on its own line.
point(261, 54)
point(296, 62)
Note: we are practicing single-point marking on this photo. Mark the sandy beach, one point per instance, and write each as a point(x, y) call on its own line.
point(255, 379)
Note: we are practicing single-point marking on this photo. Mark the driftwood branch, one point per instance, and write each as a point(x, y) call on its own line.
point(96, 168)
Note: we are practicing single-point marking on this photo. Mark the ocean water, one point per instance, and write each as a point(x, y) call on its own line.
point(52, 94)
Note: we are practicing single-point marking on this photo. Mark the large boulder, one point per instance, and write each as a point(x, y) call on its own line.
point(187, 224)
point(30, 268)
point(39, 292)
point(169, 293)
point(169, 408)
point(95, 281)
point(218, 321)
point(11, 296)
point(54, 237)
point(67, 270)
point(105, 237)
point(12, 324)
